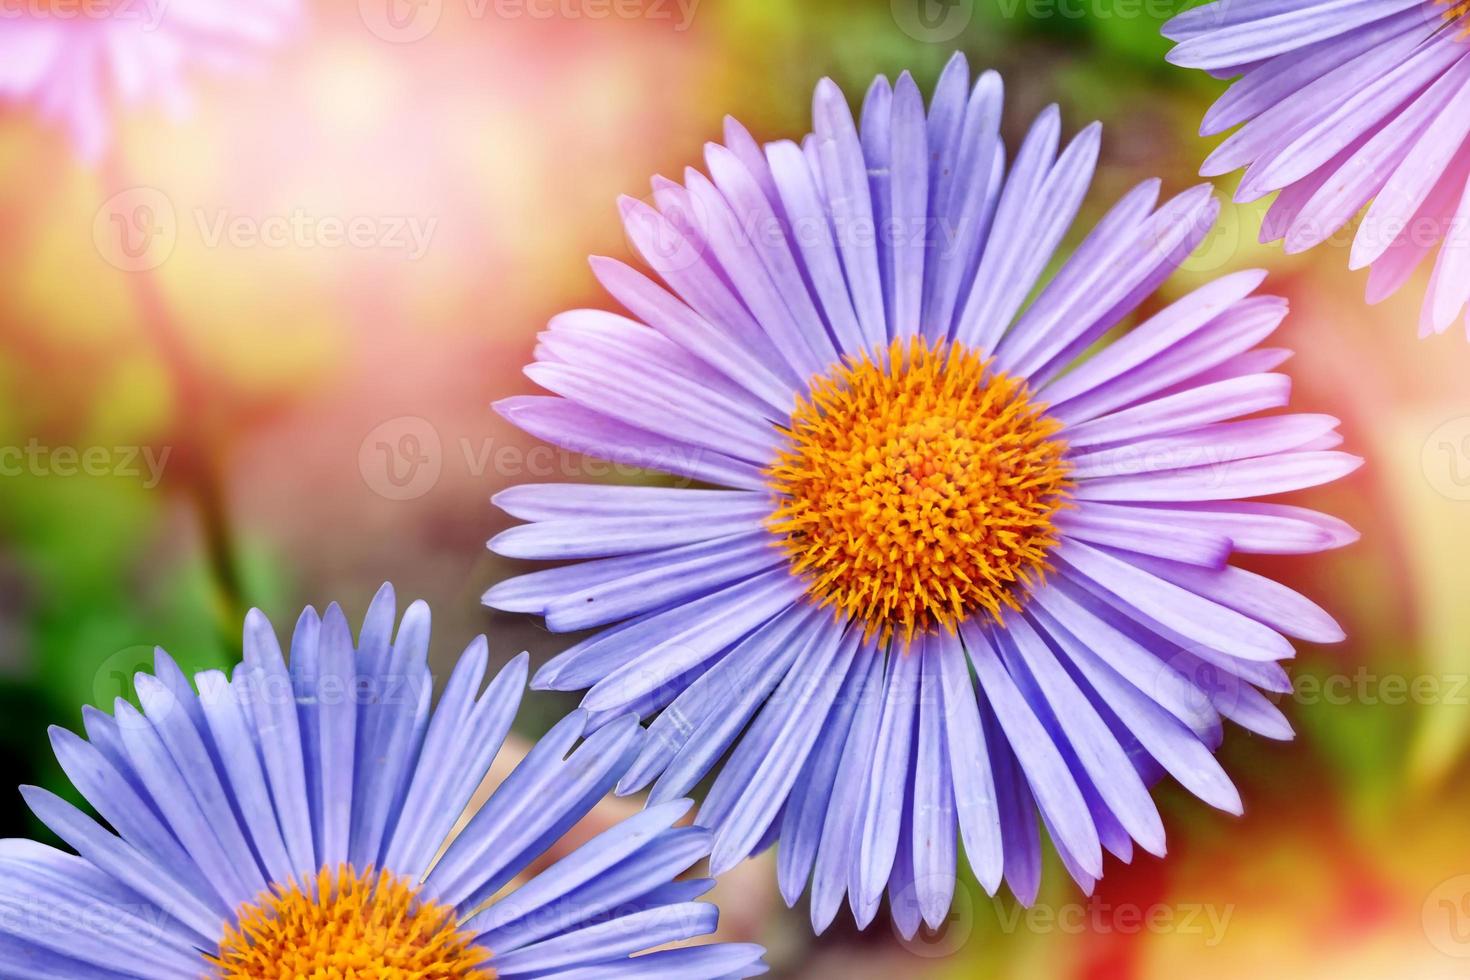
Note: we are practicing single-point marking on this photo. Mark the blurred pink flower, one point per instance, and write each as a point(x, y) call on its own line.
point(77, 61)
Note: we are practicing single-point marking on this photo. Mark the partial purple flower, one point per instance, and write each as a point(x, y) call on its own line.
point(959, 567)
point(1345, 105)
point(312, 817)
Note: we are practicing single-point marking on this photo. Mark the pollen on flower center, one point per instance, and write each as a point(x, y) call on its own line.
point(918, 488)
point(1457, 11)
point(373, 926)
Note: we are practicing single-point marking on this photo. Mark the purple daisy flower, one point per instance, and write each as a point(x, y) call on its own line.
point(951, 575)
point(1341, 103)
point(314, 820)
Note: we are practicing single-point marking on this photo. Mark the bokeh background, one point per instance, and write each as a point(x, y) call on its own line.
point(212, 403)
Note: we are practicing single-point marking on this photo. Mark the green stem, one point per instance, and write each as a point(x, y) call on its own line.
point(191, 445)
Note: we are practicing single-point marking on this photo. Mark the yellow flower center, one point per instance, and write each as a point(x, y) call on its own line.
point(918, 488)
point(1457, 10)
point(372, 926)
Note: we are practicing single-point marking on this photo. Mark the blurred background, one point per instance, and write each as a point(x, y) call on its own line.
point(248, 361)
